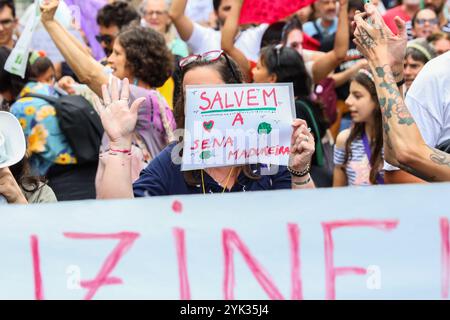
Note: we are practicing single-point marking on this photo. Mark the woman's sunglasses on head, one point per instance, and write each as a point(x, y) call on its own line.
point(210, 56)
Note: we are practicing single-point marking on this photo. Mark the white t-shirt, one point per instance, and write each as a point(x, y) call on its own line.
point(428, 100)
point(205, 39)
point(199, 10)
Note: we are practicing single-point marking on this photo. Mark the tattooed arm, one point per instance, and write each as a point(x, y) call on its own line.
point(404, 145)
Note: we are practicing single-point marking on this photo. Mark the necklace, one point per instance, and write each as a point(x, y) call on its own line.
point(226, 183)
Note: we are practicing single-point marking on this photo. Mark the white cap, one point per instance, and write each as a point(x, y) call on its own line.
point(12, 140)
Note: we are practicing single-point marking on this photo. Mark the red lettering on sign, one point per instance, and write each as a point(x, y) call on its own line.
point(126, 240)
point(331, 272)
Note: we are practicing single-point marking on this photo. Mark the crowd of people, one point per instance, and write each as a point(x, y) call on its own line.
point(371, 87)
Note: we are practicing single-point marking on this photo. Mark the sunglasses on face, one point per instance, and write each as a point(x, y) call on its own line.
point(421, 22)
point(107, 39)
point(210, 56)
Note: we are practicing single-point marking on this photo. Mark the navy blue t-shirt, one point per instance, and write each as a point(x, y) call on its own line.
point(162, 177)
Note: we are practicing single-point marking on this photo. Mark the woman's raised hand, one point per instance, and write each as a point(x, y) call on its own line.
point(118, 117)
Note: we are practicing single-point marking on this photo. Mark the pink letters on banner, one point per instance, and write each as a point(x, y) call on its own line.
point(180, 244)
point(296, 279)
point(445, 256)
point(126, 240)
point(230, 239)
point(177, 207)
point(330, 271)
point(269, 11)
point(38, 288)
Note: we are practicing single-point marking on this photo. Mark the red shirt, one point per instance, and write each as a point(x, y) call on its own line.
point(390, 15)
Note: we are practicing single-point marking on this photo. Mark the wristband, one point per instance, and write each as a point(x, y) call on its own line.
point(302, 183)
point(120, 151)
point(300, 174)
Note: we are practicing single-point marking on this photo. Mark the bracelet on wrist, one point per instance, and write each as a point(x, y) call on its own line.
point(115, 152)
point(300, 174)
point(120, 150)
point(302, 183)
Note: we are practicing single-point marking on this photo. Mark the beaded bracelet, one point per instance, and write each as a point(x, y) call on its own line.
point(300, 174)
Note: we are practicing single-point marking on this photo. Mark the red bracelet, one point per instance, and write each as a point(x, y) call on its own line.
point(120, 151)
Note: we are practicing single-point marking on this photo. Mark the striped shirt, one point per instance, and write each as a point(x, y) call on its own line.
point(358, 167)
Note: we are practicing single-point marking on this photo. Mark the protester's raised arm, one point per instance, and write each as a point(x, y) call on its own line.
point(85, 67)
point(343, 77)
point(404, 146)
point(182, 23)
point(229, 32)
point(396, 42)
point(119, 121)
point(331, 60)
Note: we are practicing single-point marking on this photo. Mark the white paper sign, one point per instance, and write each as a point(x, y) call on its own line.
point(237, 124)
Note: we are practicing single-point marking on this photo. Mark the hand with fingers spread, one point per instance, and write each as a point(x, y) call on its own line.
point(302, 146)
point(379, 34)
point(118, 118)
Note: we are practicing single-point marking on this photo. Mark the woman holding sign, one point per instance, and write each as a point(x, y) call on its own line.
point(163, 176)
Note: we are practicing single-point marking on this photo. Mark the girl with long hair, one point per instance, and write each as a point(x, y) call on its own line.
point(358, 154)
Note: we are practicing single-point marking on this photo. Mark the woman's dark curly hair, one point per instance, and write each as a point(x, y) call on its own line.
point(148, 57)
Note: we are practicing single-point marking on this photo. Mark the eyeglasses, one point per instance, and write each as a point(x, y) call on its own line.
point(210, 56)
point(154, 12)
point(107, 39)
point(421, 22)
point(7, 23)
point(278, 49)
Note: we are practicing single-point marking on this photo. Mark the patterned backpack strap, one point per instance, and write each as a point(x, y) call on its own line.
point(165, 121)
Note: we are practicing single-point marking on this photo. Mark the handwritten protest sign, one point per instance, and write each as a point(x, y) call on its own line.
point(385, 243)
point(237, 124)
point(269, 11)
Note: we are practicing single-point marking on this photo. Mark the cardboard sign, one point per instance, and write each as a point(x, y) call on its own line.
point(389, 242)
point(237, 124)
point(270, 11)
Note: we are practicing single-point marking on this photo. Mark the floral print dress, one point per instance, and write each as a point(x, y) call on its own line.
point(46, 144)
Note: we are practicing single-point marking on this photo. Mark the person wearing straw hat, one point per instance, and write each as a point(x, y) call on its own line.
point(16, 187)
